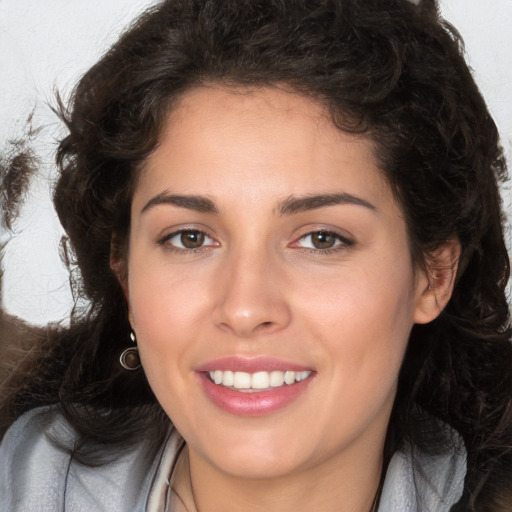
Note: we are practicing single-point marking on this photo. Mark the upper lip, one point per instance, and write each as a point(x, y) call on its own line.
point(250, 365)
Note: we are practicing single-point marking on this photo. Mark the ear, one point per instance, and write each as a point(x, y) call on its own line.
point(118, 264)
point(435, 283)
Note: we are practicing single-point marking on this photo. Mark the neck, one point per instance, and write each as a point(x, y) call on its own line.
point(352, 487)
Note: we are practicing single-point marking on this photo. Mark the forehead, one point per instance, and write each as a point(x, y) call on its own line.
point(238, 141)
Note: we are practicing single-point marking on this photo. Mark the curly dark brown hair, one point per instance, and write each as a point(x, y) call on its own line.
point(393, 71)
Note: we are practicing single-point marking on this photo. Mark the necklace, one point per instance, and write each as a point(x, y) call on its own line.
point(182, 494)
point(376, 499)
point(182, 487)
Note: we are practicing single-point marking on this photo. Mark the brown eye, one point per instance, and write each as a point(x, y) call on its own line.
point(192, 239)
point(188, 241)
point(323, 240)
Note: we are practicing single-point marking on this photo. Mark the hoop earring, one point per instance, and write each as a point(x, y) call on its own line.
point(129, 358)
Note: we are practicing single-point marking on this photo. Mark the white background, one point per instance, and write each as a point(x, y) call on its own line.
point(46, 45)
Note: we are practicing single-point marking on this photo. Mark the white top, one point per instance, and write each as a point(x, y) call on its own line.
point(37, 476)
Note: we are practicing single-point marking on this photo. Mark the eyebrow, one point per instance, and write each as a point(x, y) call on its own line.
point(293, 205)
point(197, 203)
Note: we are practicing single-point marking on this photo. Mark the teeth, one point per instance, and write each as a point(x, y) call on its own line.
point(228, 378)
point(258, 380)
point(242, 380)
point(289, 377)
point(276, 379)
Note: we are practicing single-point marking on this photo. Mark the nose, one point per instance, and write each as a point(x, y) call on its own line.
point(251, 295)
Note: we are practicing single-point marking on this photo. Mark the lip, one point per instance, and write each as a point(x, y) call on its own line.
point(256, 403)
point(250, 365)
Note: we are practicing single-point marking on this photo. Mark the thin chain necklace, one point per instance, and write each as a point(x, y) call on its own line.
point(374, 506)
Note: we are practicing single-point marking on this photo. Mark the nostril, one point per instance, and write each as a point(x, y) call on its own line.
point(265, 326)
point(251, 313)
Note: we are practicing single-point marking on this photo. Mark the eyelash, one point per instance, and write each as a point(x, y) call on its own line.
point(165, 242)
point(341, 242)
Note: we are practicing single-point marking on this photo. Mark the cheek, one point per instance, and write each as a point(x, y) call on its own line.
point(366, 299)
point(160, 306)
point(166, 317)
point(166, 308)
point(363, 318)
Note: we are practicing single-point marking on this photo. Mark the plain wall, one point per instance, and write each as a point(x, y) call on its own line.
point(45, 45)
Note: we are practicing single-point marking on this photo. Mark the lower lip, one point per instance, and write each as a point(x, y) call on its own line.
point(256, 403)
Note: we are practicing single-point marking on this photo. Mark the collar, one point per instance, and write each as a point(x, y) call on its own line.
point(415, 481)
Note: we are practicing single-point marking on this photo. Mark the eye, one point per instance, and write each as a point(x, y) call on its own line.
point(188, 239)
point(323, 241)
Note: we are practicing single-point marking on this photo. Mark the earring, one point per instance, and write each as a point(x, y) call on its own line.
point(129, 358)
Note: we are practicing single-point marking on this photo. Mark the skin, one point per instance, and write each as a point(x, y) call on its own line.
point(259, 287)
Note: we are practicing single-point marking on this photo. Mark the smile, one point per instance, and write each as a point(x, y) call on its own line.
point(261, 380)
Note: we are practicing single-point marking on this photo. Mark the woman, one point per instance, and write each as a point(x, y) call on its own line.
point(290, 212)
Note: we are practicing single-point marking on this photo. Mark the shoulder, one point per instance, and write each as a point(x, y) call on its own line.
point(422, 482)
point(36, 474)
point(30, 465)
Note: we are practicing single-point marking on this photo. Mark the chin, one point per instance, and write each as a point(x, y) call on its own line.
point(258, 467)
point(248, 454)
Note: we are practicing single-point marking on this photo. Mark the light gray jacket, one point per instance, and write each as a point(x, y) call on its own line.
point(35, 476)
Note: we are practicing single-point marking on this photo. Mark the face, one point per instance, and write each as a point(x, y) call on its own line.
point(270, 283)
